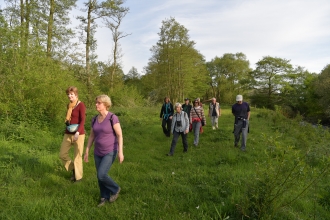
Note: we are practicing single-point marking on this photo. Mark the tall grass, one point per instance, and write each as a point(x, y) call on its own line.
point(283, 174)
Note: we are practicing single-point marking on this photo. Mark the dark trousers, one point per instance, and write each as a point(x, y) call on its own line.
point(175, 140)
point(166, 124)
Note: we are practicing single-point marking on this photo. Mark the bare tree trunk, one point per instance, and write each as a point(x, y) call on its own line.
point(115, 39)
point(50, 27)
point(113, 22)
point(91, 7)
point(27, 22)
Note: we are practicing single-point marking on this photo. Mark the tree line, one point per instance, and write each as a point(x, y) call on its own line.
point(39, 60)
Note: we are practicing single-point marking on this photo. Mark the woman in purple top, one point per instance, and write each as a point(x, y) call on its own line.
point(107, 136)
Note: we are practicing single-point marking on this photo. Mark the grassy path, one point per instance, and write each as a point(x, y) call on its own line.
point(211, 181)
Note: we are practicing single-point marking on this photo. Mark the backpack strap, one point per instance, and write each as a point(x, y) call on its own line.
point(94, 120)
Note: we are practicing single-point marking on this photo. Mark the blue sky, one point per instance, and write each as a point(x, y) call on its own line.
point(298, 30)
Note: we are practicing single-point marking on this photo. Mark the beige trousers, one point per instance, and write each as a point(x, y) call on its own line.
point(77, 163)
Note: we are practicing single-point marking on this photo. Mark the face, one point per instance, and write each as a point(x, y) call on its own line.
point(213, 100)
point(99, 105)
point(196, 103)
point(178, 109)
point(187, 102)
point(72, 97)
point(167, 100)
point(239, 102)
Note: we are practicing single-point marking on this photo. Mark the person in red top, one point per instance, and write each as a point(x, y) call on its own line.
point(76, 114)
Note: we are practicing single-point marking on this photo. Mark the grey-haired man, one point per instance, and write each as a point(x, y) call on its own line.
point(241, 111)
point(214, 113)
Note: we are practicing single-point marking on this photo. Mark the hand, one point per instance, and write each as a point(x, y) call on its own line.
point(86, 157)
point(170, 117)
point(76, 136)
point(121, 157)
point(187, 131)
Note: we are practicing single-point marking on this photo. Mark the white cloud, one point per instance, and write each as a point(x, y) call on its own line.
point(297, 30)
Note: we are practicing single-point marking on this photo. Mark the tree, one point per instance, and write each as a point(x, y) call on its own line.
point(109, 9)
point(178, 67)
point(322, 90)
point(113, 16)
point(269, 80)
point(228, 76)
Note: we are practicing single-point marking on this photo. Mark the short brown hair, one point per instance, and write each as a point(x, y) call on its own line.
point(72, 89)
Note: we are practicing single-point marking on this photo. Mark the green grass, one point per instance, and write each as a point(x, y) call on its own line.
point(211, 181)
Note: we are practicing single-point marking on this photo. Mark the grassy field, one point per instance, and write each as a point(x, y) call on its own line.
point(282, 175)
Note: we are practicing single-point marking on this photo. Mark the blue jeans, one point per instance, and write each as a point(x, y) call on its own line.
point(106, 184)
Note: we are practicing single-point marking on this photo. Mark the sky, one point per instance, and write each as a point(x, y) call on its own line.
point(297, 30)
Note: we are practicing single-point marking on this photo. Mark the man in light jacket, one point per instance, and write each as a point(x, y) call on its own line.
point(214, 113)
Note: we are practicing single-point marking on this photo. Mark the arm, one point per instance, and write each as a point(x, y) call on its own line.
point(161, 112)
point(203, 116)
point(187, 123)
point(173, 124)
point(248, 116)
point(89, 145)
point(190, 117)
point(219, 110)
point(172, 111)
point(82, 118)
point(119, 135)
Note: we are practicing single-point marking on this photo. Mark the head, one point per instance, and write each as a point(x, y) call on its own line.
point(178, 107)
point(166, 99)
point(186, 100)
point(103, 100)
point(72, 93)
point(239, 99)
point(196, 102)
point(213, 100)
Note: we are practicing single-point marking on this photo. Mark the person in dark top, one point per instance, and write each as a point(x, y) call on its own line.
point(241, 111)
point(186, 107)
point(166, 113)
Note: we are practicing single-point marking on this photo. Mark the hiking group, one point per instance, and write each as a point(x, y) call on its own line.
point(191, 118)
point(107, 138)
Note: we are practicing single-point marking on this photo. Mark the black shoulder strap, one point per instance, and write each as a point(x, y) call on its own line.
point(197, 114)
point(95, 117)
point(112, 124)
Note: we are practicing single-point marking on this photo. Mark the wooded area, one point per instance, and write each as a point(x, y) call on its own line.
point(39, 60)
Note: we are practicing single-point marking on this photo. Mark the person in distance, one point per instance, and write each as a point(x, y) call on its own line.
point(241, 111)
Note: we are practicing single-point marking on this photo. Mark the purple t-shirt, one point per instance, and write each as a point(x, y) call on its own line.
point(105, 140)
